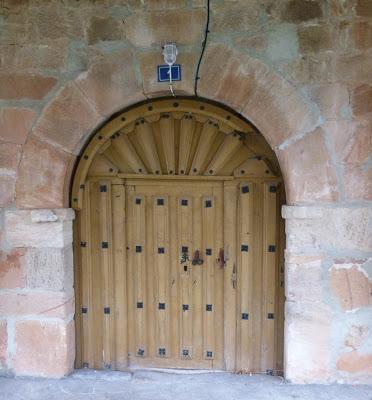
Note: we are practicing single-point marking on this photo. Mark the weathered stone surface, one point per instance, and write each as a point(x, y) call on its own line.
point(358, 182)
point(110, 84)
point(240, 15)
point(3, 344)
point(340, 228)
point(67, 120)
point(332, 99)
point(250, 87)
point(362, 35)
point(308, 170)
point(15, 123)
point(34, 56)
point(303, 278)
point(307, 360)
point(302, 10)
point(353, 68)
point(315, 38)
point(22, 232)
point(25, 86)
point(298, 212)
point(255, 43)
point(364, 8)
point(354, 362)
point(180, 26)
point(10, 155)
point(352, 141)
point(357, 336)
point(42, 173)
point(44, 348)
point(37, 303)
point(151, 86)
point(12, 269)
point(351, 286)
point(50, 269)
point(165, 4)
point(361, 100)
point(7, 190)
point(104, 28)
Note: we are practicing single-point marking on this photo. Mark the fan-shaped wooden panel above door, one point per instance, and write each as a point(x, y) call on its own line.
point(176, 138)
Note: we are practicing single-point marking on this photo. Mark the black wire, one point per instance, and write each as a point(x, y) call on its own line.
point(202, 52)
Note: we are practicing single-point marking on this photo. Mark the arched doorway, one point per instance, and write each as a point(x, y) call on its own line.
point(179, 242)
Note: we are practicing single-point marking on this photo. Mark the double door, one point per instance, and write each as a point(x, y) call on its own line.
point(179, 274)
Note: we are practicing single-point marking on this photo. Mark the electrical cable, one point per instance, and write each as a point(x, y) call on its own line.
point(202, 52)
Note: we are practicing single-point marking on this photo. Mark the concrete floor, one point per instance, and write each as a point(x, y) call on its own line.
point(151, 385)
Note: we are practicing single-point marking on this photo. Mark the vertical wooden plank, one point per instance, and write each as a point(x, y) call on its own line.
point(97, 278)
point(151, 284)
point(245, 276)
point(256, 296)
point(129, 202)
point(166, 124)
point(145, 138)
point(120, 291)
point(268, 276)
point(230, 273)
point(175, 268)
point(209, 254)
point(161, 257)
point(187, 127)
point(107, 271)
point(198, 304)
point(218, 267)
point(87, 278)
point(280, 283)
point(79, 317)
point(139, 274)
point(185, 303)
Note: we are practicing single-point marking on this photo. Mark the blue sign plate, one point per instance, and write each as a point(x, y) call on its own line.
point(163, 73)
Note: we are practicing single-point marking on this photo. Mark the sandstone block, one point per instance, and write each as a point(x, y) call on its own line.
point(12, 269)
point(353, 362)
point(104, 28)
point(353, 68)
point(22, 232)
point(50, 269)
point(351, 286)
point(303, 278)
point(315, 176)
point(36, 303)
point(339, 229)
point(307, 360)
point(361, 100)
point(7, 190)
point(315, 38)
point(110, 84)
point(332, 99)
point(364, 8)
point(44, 348)
point(300, 10)
point(15, 86)
point(301, 212)
point(10, 155)
point(15, 124)
point(3, 344)
point(250, 87)
point(67, 120)
point(358, 182)
point(42, 175)
point(362, 35)
point(183, 26)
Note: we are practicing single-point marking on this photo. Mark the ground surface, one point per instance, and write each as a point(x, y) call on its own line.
point(150, 385)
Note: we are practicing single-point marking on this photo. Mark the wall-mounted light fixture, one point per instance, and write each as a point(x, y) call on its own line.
point(170, 54)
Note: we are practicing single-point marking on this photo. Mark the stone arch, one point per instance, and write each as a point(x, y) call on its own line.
point(242, 83)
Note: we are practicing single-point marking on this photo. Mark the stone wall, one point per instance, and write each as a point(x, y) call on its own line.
point(300, 70)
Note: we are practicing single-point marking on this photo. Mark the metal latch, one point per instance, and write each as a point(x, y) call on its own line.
point(197, 260)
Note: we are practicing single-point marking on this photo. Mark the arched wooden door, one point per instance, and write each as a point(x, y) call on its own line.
point(179, 242)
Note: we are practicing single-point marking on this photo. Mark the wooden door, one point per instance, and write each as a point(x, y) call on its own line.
point(174, 279)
